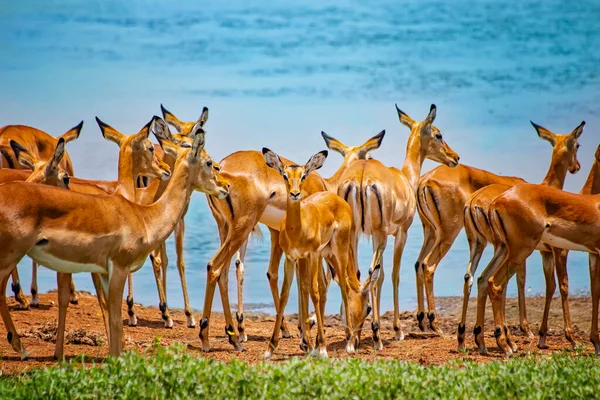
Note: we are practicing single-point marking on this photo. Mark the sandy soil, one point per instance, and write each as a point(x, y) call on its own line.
point(86, 334)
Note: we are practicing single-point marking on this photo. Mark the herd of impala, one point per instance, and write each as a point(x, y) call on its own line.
point(109, 228)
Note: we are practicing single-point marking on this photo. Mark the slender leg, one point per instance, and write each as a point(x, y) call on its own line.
point(273, 276)
point(285, 294)
point(560, 257)
point(595, 285)
point(524, 324)
point(496, 288)
point(73, 299)
point(428, 246)
point(35, 297)
point(179, 237)
point(130, 312)
point(379, 242)
point(239, 274)
point(63, 281)
point(157, 258)
point(428, 275)
point(303, 277)
point(399, 242)
point(102, 302)
point(550, 289)
point(17, 290)
point(477, 244)
point(313, 270)
point(115, 296)
point(12, 336)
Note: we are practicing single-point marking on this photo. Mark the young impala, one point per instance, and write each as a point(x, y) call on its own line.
point(479, 233)
point(320, 225)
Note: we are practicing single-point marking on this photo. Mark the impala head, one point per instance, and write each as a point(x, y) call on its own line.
point(294, 175)
point(564, 146)
point(140, 149)
point(184, 128)
point(433, 145)
point(44, 172)
point(360, 305)
point(205, 172)
point(353, 153)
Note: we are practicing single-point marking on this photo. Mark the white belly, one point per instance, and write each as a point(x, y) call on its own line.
point(562, 243)
point(272, 217)
point(38, 254)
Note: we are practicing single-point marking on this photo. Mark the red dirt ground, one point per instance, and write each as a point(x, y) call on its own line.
point(84, 324)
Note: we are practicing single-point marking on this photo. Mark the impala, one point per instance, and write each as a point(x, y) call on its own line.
point(108, 235)
point(40, 146)
point(564, 158)
point(257, 195)
point(527, 217)
point(383, 200)
point(321, 225)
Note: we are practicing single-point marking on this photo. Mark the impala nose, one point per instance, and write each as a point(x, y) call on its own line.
point(295, 195)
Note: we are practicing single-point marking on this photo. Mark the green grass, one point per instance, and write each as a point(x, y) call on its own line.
point(174, 373)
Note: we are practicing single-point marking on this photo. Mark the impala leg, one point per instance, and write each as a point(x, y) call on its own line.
point(239, 274)
point(17, 290)
point(496, 289)
point(179, 236)
point(595, 286)
point(157, 258)
point(215, 269)
point(273, 276)
point(428, 275)
point(35, 297)
point(130, 311)
point(477, 244)
point(548, 266)
point(399, 243)
point(102, 302)
point(428, 246)
point(73, 299)
point(163, 267)
point(12, 336)
point(116, 286)
point(323, 285)
point(509, 340)
point(314, 265)
point(288, 275)
point(500, 254)
point(524, 324)
point(379, 242)
point(223, 283)
point(303, 277)
point(64, 282)
point(560, 259)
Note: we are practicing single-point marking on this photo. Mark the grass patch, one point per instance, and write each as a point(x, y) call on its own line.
point(174, 373)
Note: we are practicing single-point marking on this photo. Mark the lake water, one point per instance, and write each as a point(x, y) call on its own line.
point(277, 73)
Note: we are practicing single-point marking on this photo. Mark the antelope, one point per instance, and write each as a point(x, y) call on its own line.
point(383, 201)
point(40, 146)
point(321, 225)
point(257, 195)
point(108, 235)
point(527, 217)
point(564, 158)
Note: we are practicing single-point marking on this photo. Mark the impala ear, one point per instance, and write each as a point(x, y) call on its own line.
point(160, 129)
point(168, 147)
point(273, 160)
point(72, 133)
point(109, 133)
point(144, 133)
point(371, 280)
point(199, 140)
point(597, 155)
point(59, 152)
point(371, 144)
point(578, 131)
point(315, 162)
point(431, 116)
point(544, 133)
point(334, 144)
point(171, 119)
point(24, 157)
point(404, 118)
point(203, 117)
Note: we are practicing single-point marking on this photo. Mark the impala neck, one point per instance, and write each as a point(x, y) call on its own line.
point(293, 218)
point(126, 180)
point(413, 161)
point(332, 182)
point(556, 174)
point(592, 184)
point(161, 216)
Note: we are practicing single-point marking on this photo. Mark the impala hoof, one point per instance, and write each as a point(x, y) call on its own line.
point(323, 353)
point(191, 322)
point(74, 300)
point(399, 335)
point(243, 337)
point(169, 323)
point(133, 320)
point(268, 355)
point(350, 347)
point(378, 345)
point(24, 355)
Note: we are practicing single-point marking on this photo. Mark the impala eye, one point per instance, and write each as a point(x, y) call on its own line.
point(285, 178)
point(209, 163)
point(439, 136)
point(302, 178)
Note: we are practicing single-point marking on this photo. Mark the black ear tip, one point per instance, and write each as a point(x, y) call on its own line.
point(101, 124)
point(325, 153)
point(397, 108)
point(381, 134)
point(582, 123)
point(433, 107)
point(79, 127)
point(204, 109)
point(265, 150)
point(61, 140)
